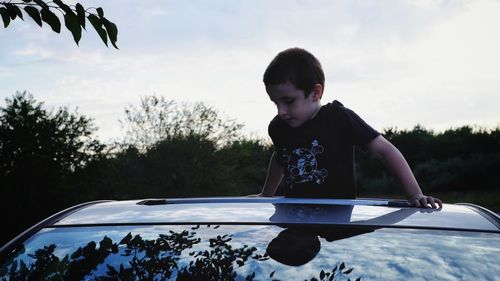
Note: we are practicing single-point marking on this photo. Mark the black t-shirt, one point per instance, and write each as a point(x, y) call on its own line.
point(318, 157)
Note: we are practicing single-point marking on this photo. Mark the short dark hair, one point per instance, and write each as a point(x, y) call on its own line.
point(297, 66)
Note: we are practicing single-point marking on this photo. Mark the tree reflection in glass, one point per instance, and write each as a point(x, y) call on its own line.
point(178, 255)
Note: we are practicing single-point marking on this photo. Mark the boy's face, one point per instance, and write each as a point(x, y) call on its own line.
point(293, 106)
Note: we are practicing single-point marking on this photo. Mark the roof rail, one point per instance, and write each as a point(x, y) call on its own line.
point(276, 200)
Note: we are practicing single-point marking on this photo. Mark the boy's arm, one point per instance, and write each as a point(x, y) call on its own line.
point(397, 164)
point(273, 178)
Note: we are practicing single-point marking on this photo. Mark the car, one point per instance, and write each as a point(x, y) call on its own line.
point(244, 238)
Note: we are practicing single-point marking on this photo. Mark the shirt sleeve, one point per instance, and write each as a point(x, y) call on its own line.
point(357, 130)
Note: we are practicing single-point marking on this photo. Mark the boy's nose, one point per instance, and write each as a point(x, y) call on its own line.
point(282, 111)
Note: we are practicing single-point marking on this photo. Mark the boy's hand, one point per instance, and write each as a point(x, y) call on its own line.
point(423, 201)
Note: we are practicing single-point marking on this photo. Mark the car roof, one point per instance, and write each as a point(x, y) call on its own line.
point(375, 213)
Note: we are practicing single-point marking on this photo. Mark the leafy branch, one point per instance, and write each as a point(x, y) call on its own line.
point(75, 17)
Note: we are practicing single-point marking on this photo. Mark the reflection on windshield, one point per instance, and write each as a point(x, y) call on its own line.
point(299, 245)
point(339, 214)
point(179, 255)
point(254, 252)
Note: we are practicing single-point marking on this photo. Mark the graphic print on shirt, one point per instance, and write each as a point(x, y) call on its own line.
point(302, 164)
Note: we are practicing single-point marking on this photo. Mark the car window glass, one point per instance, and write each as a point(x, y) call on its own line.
point(253, 252)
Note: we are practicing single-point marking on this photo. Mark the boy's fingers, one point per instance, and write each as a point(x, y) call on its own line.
point(431, 202)
point(415, 203)
point(434, 203)
point(424, 202)
point(439, 202)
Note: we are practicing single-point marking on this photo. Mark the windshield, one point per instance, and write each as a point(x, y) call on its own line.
point(252, 252)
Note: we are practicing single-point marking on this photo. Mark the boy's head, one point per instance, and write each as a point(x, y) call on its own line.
point(294, 82)
point(297, 66)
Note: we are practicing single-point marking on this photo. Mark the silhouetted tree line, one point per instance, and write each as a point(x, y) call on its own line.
point(52, 159)
point(458, 160)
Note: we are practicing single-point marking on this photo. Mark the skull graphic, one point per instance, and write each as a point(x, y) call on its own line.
point(302, 165)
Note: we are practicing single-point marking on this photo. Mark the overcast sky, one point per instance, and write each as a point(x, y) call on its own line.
point(395, 63)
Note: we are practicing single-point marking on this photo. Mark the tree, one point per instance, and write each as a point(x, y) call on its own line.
point(173, 150)
point(158, 119)
point(460, 159)
point(29, 132)
point(245, 165)
point(39, 151)
point(75, 17)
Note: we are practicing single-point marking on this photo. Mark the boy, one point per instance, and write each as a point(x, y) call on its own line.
point(314, 143)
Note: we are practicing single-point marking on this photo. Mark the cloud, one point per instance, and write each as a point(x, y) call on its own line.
point(395, 63)
point(207, 75)
point(5, 72)
point(33, 50)
point(442, 76)
point(152, 11)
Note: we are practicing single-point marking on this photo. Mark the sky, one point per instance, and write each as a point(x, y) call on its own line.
point(395, 63)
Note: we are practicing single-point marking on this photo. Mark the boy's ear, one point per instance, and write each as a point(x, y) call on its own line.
point(317, 92)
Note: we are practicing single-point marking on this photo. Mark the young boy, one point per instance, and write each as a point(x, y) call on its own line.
point(314, 143)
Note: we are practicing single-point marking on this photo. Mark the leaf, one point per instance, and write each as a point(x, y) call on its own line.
point(100, 12)
point(71, 21)
point(111, 270)
point(113, 34)
point(97, 24)
point(51, 19)
point(13, 11)
point(342, 266)
point(80, 13)
point(72, 24)
point(10, 11)
point(42, 4)
point(272, 273)
point(106, 243)
point(77, 253)
point(348, 271)
point(126, 239)
point(322, 275)
point(19, 13)
point(34, 14)
point(5, 16)
point(63, 6)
